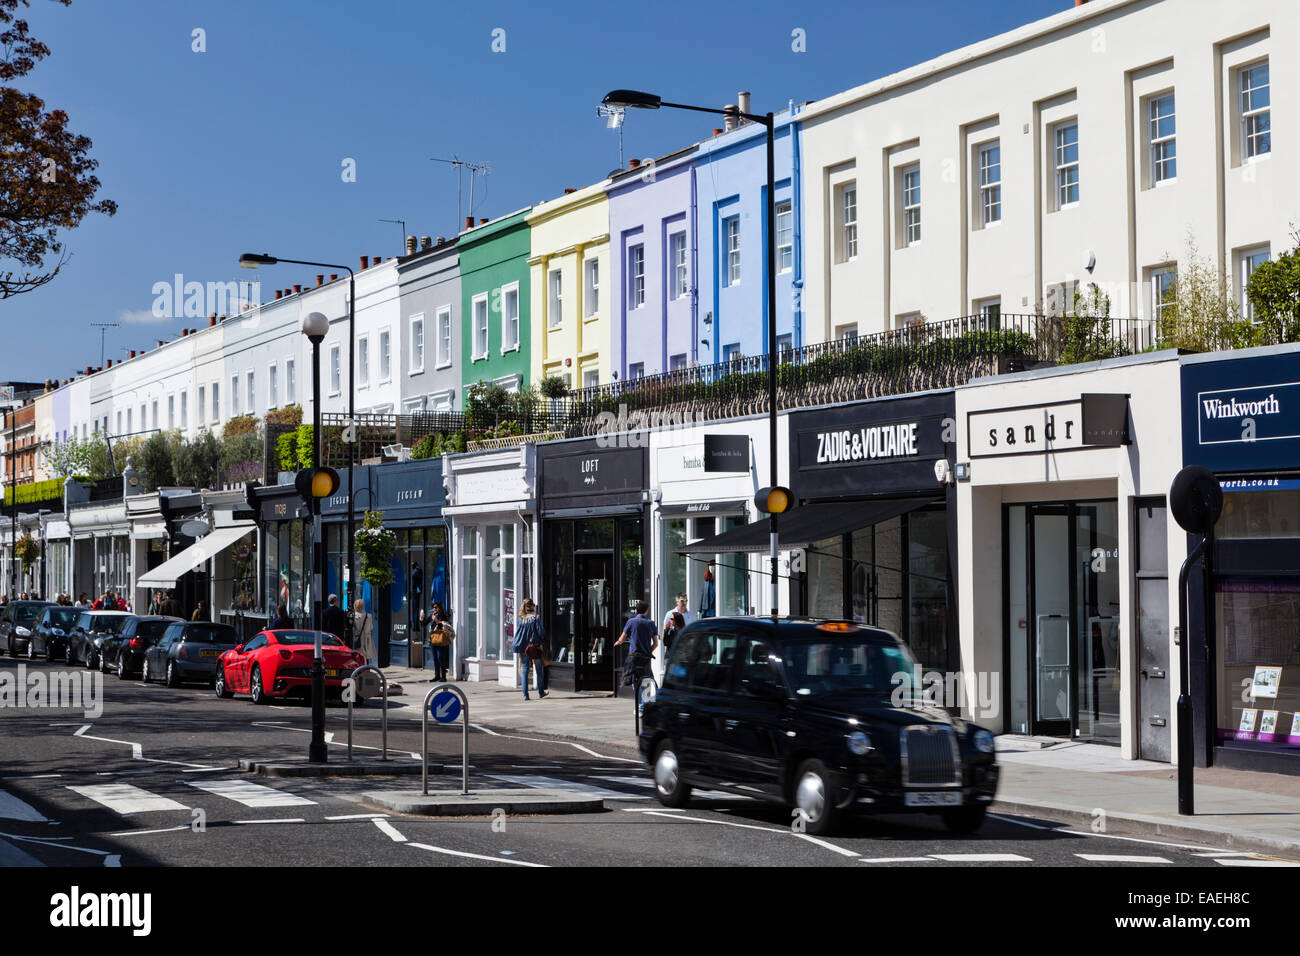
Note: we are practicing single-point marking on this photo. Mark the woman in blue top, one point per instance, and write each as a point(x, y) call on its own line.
point(527, 646)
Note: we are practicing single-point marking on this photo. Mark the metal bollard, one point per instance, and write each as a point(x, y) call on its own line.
point(464, 737)
point(383, 719)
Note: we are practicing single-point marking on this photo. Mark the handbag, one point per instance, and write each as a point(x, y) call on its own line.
point(533, 651)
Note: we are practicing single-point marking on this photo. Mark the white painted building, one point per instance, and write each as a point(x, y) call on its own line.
point(1083, 148)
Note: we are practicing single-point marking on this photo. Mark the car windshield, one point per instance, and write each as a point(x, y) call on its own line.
point(152, 628)
point(305, 637)
point(63, 616)
point(212, 634)
point(27, 613)
point(106, 624)
point(864, 665)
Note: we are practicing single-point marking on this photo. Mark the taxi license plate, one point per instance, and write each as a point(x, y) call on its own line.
point(932, 800)
point(210, 654)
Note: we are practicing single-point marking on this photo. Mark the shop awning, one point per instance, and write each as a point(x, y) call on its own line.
point(802, 527)
point(209, 546)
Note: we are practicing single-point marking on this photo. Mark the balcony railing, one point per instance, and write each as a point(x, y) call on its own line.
point(916, 357)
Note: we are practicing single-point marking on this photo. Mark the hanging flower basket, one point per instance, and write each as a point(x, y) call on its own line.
point(375, 548)
point(28, 551)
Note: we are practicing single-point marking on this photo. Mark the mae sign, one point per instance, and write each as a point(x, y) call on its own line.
point(1091, 421)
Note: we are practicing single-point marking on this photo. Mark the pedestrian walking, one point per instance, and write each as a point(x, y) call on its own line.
point(282, 620)
point(200, 612)
point(528, 646)
point(363, 626)
point(333, 620)
point(688, 616)
point(441, 635)
point(642, 638)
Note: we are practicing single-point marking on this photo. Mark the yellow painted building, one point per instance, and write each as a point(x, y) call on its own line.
point(570, 287)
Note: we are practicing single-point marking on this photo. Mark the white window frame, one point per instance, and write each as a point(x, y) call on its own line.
point(153, 410)
point(1155, 283)
point(731, 247)
point(988, 173)
point(290, 383)
point(594, 372)
point(1162, 148)
point(636, 272)
point(442, 347)
point(910, 203)
point(681, 271)
point(1251, 113)
point(363, 361)
point(272, 386)
point(507, 345)
point(784, 236)
point(417, 344)
point(1245, 258)
point(849, 221)
point(336, 370)
point(234, 395)
point(591, 276)
point(678, 362)
point(1063, 167)
point(847, 332)
point(554, 298)
point(203, 392)
point(635, 371)
point(250, 389)
point(385, 355)
point(171, 414)
point(482, 327)
point(215, 391)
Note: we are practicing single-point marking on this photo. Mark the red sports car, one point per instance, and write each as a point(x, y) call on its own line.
point(278, 664)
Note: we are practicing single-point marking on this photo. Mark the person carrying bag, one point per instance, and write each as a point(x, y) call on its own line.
point(528, 645)
point(441, 635)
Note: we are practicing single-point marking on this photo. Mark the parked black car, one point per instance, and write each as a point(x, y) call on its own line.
point(89, 633)
point(125, 652)
point(18, 622)
point(819, 715)
point(50, 636)
point(188, 651)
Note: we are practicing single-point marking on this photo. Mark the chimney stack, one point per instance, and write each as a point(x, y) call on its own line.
point(633, 163)
point(212, 320)
point(570, 190)
point(365, 262)
point(742, 100)
point(160, 342)
point(184, 332)
point(278, 293)
point(376, 260)
point(442, 240)
point(469, 222)
point(297, 288)
point(730, 120)
point(222, 318)
point(426, 242)
point(717, 132)
point(411, 245)
point(320, 279)
point(333, 276)
point(483, 221)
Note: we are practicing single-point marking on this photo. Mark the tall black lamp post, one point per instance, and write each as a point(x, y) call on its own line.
point(314, 326)
point(773, 499)
point(252, 260)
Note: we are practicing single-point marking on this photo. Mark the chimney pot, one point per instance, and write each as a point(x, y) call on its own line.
point(365, 262)
point(442, 240)
point(222, 318)
point(742, 100)
point(569, 190)
point(469, 222)
point(320, 279)
point(731, 120)
point(411, 245)
point(633, 163)
point(278, 293)
point(717, 131)
point(483, 221)
point(212, 320)
point(333, 276)
point(376, 260)
point(426, 242)
point(297, 288)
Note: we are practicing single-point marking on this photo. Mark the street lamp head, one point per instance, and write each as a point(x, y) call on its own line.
point(315, 325)
point(631, 99)
point(251, 260)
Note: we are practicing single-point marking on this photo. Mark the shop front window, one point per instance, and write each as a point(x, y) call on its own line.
point(673, 581)
point(703, 574)
point(560, 615)
point(733, 574)
point(632, 565)
point(469, 574)
point(825, 563)
point(1259, 514)
point(1259, 677)
point(927, 593)
point(492, 598)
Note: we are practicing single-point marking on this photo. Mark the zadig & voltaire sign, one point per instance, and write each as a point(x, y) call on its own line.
point(867, 443)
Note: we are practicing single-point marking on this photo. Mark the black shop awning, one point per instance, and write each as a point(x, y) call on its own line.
point(802, 527)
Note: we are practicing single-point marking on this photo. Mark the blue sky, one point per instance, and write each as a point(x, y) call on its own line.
point(241, 147)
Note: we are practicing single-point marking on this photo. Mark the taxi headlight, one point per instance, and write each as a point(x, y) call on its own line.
point(23, 631)
point(859, 743)
point(984, 741)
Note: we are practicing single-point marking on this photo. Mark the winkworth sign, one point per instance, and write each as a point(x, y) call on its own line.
point(1242, 414)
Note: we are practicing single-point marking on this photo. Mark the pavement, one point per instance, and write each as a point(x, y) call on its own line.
point(1077, 783)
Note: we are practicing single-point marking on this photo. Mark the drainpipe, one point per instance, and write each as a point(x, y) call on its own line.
point(796, 215)
point(695, 265)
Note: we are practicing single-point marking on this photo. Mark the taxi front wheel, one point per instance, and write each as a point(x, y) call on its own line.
point(814, 798)
point(669, 787)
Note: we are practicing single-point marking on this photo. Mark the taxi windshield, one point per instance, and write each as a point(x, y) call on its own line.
point(850, 665)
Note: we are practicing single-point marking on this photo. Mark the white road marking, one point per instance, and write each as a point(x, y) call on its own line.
point(59, 846)
point(1239, 862)
point(11, 808)
point(827, 846)
point(543, 740)
point(895, 859)
point(250, 794)
point(125, 799)
point(273, 820)
point(555, 783)
point(472, 856)
point(1216, 853)
point(490, 733)
point(358, 816)
point(650, 810)
point(721, 823)
point(1119, 858)
point(390, 831)
point(981, 858)
point(34, 776)
point(137, 751)
point(649, 785)
point(183, 826)
point(1112, 836)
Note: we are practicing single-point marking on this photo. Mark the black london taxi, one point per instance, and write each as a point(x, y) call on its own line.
point(823, 716)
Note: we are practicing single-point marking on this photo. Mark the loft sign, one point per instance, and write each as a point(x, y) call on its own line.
point(867, 443)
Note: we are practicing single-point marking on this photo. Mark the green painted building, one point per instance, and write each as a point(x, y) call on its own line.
point(495, 296)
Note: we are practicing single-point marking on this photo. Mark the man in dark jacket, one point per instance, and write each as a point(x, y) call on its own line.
point(333, 620)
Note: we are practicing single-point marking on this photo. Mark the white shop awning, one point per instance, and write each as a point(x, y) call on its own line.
point(209, 546)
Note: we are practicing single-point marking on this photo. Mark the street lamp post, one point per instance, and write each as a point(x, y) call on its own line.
point(251, 260)
point(314, 326)
point(635, 99)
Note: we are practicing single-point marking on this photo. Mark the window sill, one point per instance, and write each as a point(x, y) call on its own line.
point(1161, 184)
point(513, 348)
point(416, 371)
point(1068, 205)
point(586, 319)
point(989, 225)
point(441, 365)
point(478, 358)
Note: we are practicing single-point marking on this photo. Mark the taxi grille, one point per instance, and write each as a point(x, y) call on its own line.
point(930, 756)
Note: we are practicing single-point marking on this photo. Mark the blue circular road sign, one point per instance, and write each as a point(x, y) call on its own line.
point(444, 707)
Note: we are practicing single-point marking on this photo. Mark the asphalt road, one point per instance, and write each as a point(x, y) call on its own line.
point(154, 781)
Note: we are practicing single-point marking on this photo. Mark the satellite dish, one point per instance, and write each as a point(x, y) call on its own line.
point(195, 528)
point(1196, 499)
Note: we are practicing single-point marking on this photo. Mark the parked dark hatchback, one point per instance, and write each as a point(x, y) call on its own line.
point(17, 624)
point(90, 632)
point(50, 636)
point(818, 715)
point(125, 652)
point(188, 652)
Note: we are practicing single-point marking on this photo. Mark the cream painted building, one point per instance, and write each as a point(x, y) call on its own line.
point(1083, 148)
point(570, 287)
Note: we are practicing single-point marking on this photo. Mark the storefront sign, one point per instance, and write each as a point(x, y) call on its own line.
point(1242, 414)
point(1030, 430)
point(1232, 416)
point(408, 488)
point(593, 471)
point(704, 508)
point(283, 509)
point(508, 611)
point(726, 453)
point(1105, 419)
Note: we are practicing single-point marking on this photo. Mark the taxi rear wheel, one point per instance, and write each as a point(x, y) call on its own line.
point(669, 786)
point(814, 798)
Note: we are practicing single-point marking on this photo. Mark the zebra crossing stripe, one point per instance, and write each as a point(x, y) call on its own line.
point(1119, 858)
point(126, 799)
point(555, 783)
point(250, 794)
point(1240, 862)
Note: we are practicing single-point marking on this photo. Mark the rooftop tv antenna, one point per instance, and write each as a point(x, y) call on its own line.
point(614, 116)
point(103, 330)
point(402, 223)
point(482, 168)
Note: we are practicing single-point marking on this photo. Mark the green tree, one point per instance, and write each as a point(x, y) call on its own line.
point(1198, 314)
point(1274, 293)
point(154, 461)
point(47, 180)
point(76, 456)
point(198, 462)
